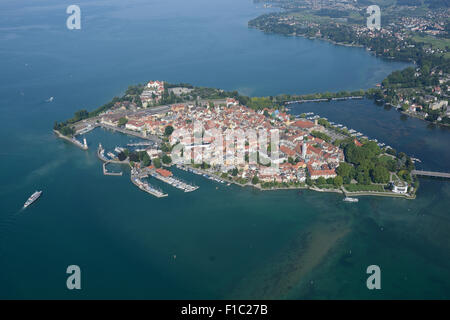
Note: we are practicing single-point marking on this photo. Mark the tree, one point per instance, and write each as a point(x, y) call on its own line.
point(146, 159)
point(234, 172)
point(363, 178)
point(157, 163)
point(338, 181)
point(165, 147)
point(166, 159)
point(122, 122)
point(344, 169)
point(380, 174)
point(134, 156)
point(321, 135)
point(321, 181)
point(121, 156)
point(168, 131)
point(255, 180)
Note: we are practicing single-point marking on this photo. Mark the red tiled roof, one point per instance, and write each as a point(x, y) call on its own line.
point(303, 124)
point(164, 172)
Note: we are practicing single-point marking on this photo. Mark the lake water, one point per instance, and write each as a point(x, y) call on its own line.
point(217, 242)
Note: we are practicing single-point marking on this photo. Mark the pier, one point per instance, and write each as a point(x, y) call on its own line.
point(108, 173)
point(101, 153)
point(144, 186)
point(431, 174)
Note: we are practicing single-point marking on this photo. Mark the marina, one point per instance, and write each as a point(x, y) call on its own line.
point(192, 170)
point(174, 182)
point(352, 132)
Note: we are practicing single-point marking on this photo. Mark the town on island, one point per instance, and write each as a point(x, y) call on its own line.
point(312, 152)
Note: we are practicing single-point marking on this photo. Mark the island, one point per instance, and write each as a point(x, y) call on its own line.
point(314, 153)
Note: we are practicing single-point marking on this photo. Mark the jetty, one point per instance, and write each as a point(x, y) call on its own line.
point(101, 153)
point(431, 174)
point(73, 140)
point(144, 186)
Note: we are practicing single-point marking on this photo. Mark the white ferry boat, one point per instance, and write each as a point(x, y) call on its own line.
point(348, 199)
point(32, 199)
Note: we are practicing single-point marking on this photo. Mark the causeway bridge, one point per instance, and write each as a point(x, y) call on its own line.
point(431, 174)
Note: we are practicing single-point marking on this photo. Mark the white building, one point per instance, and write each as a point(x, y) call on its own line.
point(400, 187)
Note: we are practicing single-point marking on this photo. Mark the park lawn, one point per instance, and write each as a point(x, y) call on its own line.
point(362, 187)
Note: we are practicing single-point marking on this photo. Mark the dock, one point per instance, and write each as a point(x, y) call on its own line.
point(174, 182)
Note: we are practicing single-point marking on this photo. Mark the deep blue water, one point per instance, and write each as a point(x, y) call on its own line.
point(228, 242)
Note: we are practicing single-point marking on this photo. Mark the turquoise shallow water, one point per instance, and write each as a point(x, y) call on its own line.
point(228, 242)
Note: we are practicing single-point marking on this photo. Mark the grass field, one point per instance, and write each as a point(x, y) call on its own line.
point(433, 42)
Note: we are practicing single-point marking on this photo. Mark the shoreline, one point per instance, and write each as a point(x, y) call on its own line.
point(306, 187)
point(410, 60)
